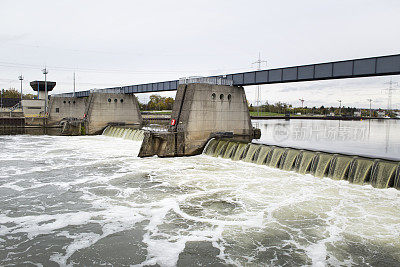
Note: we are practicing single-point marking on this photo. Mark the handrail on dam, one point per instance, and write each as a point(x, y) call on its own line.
point(354, 68)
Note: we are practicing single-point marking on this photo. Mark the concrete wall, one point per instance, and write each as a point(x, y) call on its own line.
point(33, 107)
point(105, 108)
point(66, 107)
point(202, 110)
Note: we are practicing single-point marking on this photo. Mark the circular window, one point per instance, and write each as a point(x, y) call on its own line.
point(115, 100)
point(221, 96)
point(213, 96)
point(229, 97)
point(122, 100)
point(109, 100)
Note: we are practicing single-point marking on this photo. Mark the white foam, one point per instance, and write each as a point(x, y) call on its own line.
point(233, 205)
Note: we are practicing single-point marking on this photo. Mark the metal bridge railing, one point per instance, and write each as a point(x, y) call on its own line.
point(207, 80)
point(116, 90)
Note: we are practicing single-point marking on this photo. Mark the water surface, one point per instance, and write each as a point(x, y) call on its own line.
point(372, 138)
point(91, 201)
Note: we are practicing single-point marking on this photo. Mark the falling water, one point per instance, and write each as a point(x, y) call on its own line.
point(125, 133)
point(359, 170)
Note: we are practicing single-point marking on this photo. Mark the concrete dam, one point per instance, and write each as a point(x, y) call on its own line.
point(214, 120)
point(355, 169)
point(88, 199)
point(215, 108)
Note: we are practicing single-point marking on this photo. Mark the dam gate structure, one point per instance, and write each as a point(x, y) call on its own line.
point(216, 107)
point(379, 173)
point(201, 111)
point(90, 115)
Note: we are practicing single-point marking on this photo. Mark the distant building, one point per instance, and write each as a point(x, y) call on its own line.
point(357, 113)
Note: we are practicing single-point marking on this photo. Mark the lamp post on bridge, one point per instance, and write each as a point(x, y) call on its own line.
point(21, 78)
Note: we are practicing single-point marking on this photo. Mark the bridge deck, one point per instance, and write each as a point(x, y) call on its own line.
point(355, 68)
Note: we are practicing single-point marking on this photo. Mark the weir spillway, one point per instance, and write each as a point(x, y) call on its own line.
point(125, 133)
point(379, 173)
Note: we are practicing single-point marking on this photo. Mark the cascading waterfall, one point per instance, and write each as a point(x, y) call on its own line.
point(125, 133)
point(339, 167)
point(359, 170)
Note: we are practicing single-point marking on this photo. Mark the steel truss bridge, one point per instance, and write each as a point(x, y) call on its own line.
point(355, 68)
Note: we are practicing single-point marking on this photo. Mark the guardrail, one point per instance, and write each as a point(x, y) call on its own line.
point(207, 80)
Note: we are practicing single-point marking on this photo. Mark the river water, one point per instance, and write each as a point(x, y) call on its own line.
point(371, 138)
point(91, 201)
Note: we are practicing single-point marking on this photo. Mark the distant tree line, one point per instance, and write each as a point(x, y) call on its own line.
point(285, 108)
point(13, 93)
point(157, 102)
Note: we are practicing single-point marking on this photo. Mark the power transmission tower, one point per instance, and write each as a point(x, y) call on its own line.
point(302, 104)
point(258, 92)
point(370, 110)
point(340, 107)
point(390, 94)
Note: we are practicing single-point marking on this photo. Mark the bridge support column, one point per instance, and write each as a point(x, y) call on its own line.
point(200, 112)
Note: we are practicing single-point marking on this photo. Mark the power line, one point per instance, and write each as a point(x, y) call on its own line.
point(94, 70)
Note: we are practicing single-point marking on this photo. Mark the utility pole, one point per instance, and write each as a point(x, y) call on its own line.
point(340, 107)
point(74, 83)
point(390, 94)
point(45, 71)
point(21, 78)
point(370, 110)
point(1, 99)
point(258, 93)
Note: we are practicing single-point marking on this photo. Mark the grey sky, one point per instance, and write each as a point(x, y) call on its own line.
point(112, 43)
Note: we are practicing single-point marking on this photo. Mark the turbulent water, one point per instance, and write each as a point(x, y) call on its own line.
point(91, 201)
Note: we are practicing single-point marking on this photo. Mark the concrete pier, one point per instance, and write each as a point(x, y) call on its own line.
point(105, 108)
point(96, 111)
point(66, 107)
point(200, 112)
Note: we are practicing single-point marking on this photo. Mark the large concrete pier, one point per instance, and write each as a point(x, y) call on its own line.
point(200, 112)
point(95, 112)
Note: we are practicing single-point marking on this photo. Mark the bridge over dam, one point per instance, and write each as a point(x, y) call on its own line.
point(204, 107)
point(208, 108)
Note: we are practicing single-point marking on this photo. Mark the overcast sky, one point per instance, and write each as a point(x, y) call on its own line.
point(114, 43)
